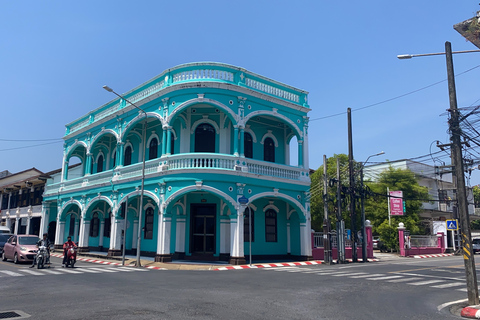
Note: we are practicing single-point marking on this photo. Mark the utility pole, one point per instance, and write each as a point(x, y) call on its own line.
point(327, 251)
point(340, 222)
point(353, 217)
point(454, 123)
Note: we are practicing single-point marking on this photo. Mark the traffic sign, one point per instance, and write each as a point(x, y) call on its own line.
point(452, 224)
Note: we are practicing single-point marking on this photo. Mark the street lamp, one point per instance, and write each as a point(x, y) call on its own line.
point(139, 236)
point(410, 56)
point(364, 236)
point(457, 162)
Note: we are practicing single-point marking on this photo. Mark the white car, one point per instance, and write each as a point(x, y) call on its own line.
point(476, 245)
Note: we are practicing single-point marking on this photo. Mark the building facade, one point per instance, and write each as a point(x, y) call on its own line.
point(21, 200)
point(213, 143)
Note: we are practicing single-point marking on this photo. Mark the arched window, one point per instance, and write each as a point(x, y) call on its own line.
point(269, 150)
point(246, 225)
point(248, 145)
point(153, 149)
point(270, 226)
point(148, 224)
point(205, 138)
point(128, 156)
point(94, 226)
point(114, 159)
point(100, 163)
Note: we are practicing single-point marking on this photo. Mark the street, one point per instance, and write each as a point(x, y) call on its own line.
point(394, 289)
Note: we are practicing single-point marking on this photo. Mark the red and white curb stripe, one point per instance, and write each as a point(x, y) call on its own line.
point(434, 255)
point(360, 260)
point(104, 262)
point(471, 312)
point(269, 265)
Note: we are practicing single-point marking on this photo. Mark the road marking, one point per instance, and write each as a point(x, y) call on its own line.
point(11, 273)
point(440, 307)
point(51, 271)
point(424, 282)
point(103, 269)
point(128, 269)
point(348, 274)
point(35, 273)
point(403, 280)
point(368, 275)
point(385, 278)
point(68, 271)
point(448, 285)
point(90, 270)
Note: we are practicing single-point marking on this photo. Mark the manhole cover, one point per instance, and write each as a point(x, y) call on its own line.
point(13, 314)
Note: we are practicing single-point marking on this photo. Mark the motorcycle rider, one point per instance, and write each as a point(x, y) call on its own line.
point(66, 246)
point(43, 242)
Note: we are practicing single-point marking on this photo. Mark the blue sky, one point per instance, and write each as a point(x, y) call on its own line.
point(55, 57)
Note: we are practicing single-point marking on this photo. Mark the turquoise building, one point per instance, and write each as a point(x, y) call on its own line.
point(218, 172)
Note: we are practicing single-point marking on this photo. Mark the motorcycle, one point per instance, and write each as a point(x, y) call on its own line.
point(71, 256)
point(42, 256)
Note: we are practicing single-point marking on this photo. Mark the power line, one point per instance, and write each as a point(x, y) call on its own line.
point(31, 146)
point(29, 140)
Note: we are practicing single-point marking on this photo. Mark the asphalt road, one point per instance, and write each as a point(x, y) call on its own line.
point(396, 289)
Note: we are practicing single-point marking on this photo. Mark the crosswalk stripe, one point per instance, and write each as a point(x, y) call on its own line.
point(463, 289)
point(90, 270)
point(385, 278)
point(368, 275)
point(68, 270)
point(449, 285)
point(51, 271)
point(348, 274)
point(421, 283)
point(11, 273)
point(35, 273)
point(103, 269)
point(403, 280)
point(128, 269)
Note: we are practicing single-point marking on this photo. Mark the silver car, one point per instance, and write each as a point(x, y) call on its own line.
point(476, 245)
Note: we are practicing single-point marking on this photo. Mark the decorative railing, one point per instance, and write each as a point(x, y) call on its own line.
point(418, 241)
point(188, 161)
point(208, 71)
point(318, 240)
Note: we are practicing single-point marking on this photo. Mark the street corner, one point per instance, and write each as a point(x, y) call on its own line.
point(269, 265)
point(471, 312)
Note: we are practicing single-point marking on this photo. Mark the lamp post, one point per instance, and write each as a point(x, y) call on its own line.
point(144, 134)
point(457, 162)
point(364, 235)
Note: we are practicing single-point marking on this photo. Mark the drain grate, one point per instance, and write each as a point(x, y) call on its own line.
point(9, 315)
point(13, 314)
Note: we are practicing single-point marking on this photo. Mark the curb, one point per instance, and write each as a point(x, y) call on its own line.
point(105, 262)
point(268, 265)
point(434, 255)
point(472, 312)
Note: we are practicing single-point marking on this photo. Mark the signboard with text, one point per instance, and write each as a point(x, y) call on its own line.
point(396, 203)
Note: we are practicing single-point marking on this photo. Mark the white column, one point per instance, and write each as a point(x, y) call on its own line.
point(29, 219)
point(180, 235)
point(102, 232)
point(17, 221)
point(60, 231)
point(44, 220)
point(305, 238)
point(84, 232)
point(224, 236)
point(134, 233)
point(163, 234)
point(116, 234)
point(236, 236)
point(289, 247)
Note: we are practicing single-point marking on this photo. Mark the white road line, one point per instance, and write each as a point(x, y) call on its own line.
point(68, 270)
point(126, 269)
point(463, 289)
point(103, 269)
point(35, 273)
point(368, 276)
point(449, 285)
point(385, 278)
point(11, 273)
point(51, 271)
point(403, 280)
point(421, 283)
point(90, 270)
point(348, 274)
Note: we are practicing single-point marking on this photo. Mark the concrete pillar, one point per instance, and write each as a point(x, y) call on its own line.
point(237, 255)
point(300, 153)
point(164, 142)
point(163, 239)
point(84, 234)
point(29, 219)
point(59, 234)
point(76, 230)
point(134, 233)
point(401, 239)
point(235, 141)
point(102, 232)
point(180, 235)
point(169, 141)
point(242, 142)
point(17, 221)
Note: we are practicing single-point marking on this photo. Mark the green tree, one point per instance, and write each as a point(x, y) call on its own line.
point(376, 207)
point(475, 224)
point(316, 189)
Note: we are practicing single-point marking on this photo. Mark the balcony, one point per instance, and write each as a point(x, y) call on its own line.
point(194, 72)
point(206, 162)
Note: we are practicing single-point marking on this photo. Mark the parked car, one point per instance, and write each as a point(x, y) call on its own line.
point(20, 248)
point(4, 229)
point(3, 239)
point(476, 245)
point(376, 240)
